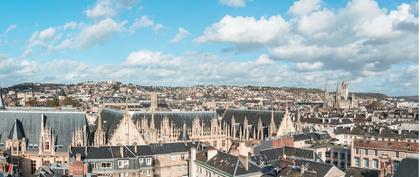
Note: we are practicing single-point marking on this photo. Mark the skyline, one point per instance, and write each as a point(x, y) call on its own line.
point(287, 44)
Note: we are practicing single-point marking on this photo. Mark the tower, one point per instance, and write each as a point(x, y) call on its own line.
point(337, 97)
point(153, 101)
point(345, 90)
point(326, 96)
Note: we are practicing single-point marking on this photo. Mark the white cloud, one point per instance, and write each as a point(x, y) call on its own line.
point(233, 3)
point(98, 33)
point(145, 22)
point(347, 39)
point(245, 30)
point(182, 33)
point(303, 7)
point(11, 27)
point(306, 66)
point(316, 22)
point(102, 8)
point(264, 59)
point(70, 25)
point(143, 57)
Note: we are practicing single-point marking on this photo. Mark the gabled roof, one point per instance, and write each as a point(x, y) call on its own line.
point(272, 155)
point(227, 163)
point(62, 123)
point(361, 172)
point(112, 117)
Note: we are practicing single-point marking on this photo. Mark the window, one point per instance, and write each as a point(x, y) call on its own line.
point(366, 151)
point(33, 166)
point(149, 161)
point(342, 156)
point(357, 150)
point(214, 143)
point(106, 165)
point(182, 157)
point(149, 172)
point(223, 143)
point(376, 163)
point(327, 154)
point(397, 154)
point(173, 157)
point(141, 160)
point(396, 165)
point(122, 163)
point(123, 174)
point(366, 163)
point(376, 152)
point(335, 154)
point(47, 146)
point(356, 162)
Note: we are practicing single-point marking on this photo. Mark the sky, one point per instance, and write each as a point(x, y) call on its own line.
point(371, 44)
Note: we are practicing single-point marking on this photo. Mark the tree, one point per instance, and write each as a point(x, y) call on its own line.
point(375, 105)
point(70, 101)
point(31, 102)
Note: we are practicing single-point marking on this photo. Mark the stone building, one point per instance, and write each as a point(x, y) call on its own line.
point(123, 127)
point(160, 160)
point(385, 156)
point(40, 137)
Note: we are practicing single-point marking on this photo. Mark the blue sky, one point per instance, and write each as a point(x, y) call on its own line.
point(372, 44)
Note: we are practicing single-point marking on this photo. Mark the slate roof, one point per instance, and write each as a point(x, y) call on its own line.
point(321, 169)
point(252, 116)
point(62, 123)
point(178, 118)
point(17, 131)
point(227, 163)
point(361, 172)
point(387, 145)
point(272, 155)
point(110, 152)
point(112, 117)
point(409, 167)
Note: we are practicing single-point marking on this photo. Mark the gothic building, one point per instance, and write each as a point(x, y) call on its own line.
point(122, 127)
point(340, 99)
point(38, 137)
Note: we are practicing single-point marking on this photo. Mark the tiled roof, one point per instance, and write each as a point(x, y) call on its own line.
point(387, 145)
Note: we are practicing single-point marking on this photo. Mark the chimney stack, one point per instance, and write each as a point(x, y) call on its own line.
point(302, 169)
point(135, 149)
point(122, 151)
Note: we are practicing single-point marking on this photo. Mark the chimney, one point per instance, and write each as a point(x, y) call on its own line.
point(302, 169)
point(211, 152)
point(135, 149)
point(86, 150)
point(192, 169)
point(78, 157)
point(122, 151)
